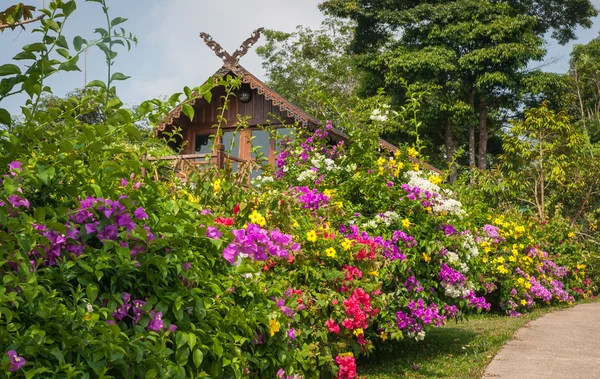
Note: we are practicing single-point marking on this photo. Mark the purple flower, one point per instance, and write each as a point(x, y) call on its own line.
point(124, 182)
point(16, 201)
point(137, 310)
point(186, 266)
point(140, 214)
point(213, 232)
point(14, 166)
point(16, 362)
point(172, 328)
point(156, 323)
point(125, 220)
point(291, 334)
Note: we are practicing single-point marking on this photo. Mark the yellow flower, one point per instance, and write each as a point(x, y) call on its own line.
point(406, 223)
point(295, 224)
point(346, 244)
point(374, 273)
point(435, 179)
point(357, 332)
point(426, 257)
point(349, 354)
point(397, 153)
point(329, 193)
point(257, 218)
point(311, 236)
point(330, 252)
point(216, 185)
point(571, 235)
point(411, 151)
point(274, 327)
point(415, 167)
point(428, 209)
point(383, 336)
point(523, 302)
point(380, 161)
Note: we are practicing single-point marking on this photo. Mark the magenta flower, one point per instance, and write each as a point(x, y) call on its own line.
point(172, 328)
point(124, 182)
point(16, 362)
point(140, 214)
point(14, 166)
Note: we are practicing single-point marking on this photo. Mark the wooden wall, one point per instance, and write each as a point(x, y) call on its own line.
point(258, 110)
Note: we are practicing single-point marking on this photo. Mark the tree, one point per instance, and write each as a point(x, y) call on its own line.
point(585, 73)
point(474, 51)
point(539, 153)
point(312, 68)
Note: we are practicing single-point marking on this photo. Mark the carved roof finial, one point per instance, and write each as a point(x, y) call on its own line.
point(231, 59)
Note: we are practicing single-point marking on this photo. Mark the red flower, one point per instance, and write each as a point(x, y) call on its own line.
point(236, 209)
point(224, 221)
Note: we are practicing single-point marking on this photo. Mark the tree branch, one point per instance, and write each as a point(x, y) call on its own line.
point(21, 23)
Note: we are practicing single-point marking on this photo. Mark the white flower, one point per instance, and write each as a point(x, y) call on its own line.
point(307, 175)
point(89, 307)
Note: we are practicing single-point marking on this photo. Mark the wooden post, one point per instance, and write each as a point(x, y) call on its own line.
point(220, 155)
point(143, 168)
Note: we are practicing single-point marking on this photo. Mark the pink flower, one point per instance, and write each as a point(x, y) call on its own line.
point(332, 326)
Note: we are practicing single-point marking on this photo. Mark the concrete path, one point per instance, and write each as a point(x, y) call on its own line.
point(562, 344)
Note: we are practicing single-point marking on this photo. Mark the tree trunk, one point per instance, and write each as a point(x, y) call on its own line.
point(483, 112)
point(472, 131)
point(449, 142)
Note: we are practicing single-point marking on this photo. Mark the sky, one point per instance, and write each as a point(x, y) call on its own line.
point(170, 54)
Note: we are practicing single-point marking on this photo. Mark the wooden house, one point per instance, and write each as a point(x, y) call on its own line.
point(255, 102)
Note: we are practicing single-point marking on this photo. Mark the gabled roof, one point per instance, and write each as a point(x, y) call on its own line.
point(303, 118)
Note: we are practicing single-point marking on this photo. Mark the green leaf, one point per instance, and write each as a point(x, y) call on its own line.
point(119, 76)
point(96, 83)
point(115, 102)
point(63, 53)
point(181, 338)
point(92, 292)
point(198, 357)
point(24, 55)
point(69, 8)
point(62, 42)
point(188, 110)
point(191, 340)
point(70, 65)
point(46, 173)
point(116, 21)
point(5, 117)
point(40, 215)
point(78, 43)
point(9, 69)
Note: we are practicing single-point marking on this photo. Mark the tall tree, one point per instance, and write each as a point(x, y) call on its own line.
point(585, 72)
point(475, 51)
point(311, 65)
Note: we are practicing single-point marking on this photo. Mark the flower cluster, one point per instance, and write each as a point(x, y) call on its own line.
point(255, 242)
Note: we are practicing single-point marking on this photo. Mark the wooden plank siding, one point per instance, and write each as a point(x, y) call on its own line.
point(258, 111)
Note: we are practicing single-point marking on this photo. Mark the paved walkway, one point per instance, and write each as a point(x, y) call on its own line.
point(562, 344)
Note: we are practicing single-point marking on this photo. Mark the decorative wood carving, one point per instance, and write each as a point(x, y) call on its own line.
point(231, 60)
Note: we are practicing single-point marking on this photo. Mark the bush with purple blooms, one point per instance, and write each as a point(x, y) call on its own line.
point(114, 267)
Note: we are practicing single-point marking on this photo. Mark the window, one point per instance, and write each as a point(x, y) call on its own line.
point(260, 144)
point(229, 139)
point(203, 144)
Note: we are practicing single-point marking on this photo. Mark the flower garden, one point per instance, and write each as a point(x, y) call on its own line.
point(112, 266)
point(326, 259)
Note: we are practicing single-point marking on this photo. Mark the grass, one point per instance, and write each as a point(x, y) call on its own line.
point(457, 350)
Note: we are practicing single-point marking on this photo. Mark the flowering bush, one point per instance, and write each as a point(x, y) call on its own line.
point(108, 271)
